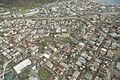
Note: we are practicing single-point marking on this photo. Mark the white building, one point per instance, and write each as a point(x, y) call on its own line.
point(18, 68)
point(75, 75)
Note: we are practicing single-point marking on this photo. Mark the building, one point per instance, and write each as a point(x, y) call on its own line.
point(53, 48)
point(46, 55)
point(76, 74)
point(8, 56)
point(118, 65)
point(97, 78)
point(110, 53)
point(88, 76)
point(82, 60)
point(64, 35)
point(103, 51)
point(19, 67)
point(64, 64)
point(87, 36)
point(114, 45)
point(33, 78)
point(81, 45)
point(49, 64)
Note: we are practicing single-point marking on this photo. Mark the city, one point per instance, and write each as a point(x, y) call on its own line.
point(66, 40)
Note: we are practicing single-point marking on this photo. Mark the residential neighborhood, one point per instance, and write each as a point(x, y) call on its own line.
point(65, 40)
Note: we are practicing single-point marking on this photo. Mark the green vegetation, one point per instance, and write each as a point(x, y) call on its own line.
point(42, 45)
point(45, 42)
point(66, 40)
point(10, 65)
point(12, 2)
point(24, 74)
point(22, 8)
point(1, 62)
point(23, 3)
point(30, 6)
point(44, 74)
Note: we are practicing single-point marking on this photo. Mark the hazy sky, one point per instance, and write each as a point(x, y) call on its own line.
point(110, 1)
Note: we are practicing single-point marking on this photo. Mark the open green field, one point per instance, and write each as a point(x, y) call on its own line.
point(44, 74)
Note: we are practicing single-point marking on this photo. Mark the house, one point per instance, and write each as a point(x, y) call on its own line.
point(107, 44)
point(19, 67)
point(99, 40)
point(64, 30)
point(64, 64)
point(65, 35)
point(61, 68)
point(118, 65)
point(76, 74)
point(114, 45)
point(58, 30)
point(110, 53)
point(84, 55)
point(97, 78)
point(49, 64)
point(79, 63)
point(46, 55)
point(88, 76)
point(7, 55)
point(56, 78)
point(81, 45)
point(82, 60)
point(67, 48)
point(114, 35)
point(53, 48)
point(89, 58)
point(95, 48)
point(87, 36)
point(33, 78)
point(93, 68)
point(103, 51)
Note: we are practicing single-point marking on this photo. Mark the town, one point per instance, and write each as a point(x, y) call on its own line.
point(66, 40)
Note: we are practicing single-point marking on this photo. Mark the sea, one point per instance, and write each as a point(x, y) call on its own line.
point(115, 2)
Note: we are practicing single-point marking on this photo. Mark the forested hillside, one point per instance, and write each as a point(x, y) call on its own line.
point(23, 2)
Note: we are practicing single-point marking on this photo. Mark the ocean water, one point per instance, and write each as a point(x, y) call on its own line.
point(116, 2)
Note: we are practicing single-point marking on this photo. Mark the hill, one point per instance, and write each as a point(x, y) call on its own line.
point(16, 3)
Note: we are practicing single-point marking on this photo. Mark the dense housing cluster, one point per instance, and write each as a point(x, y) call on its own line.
point(67, 40)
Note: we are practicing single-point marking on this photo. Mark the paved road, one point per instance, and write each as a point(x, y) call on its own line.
point(4, 68)
point(68, 17)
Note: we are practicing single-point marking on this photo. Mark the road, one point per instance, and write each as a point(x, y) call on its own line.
point(68, 17)
point(4, 69)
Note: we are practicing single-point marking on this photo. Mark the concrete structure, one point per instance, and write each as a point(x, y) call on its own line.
point(76, 74)
point(18, 68)
point(118, 65)
point(49, 64)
